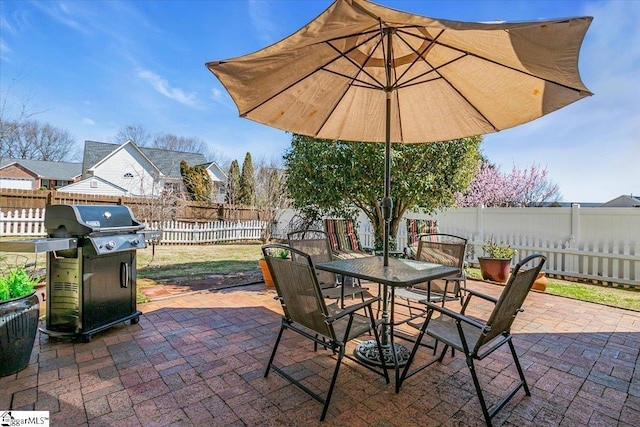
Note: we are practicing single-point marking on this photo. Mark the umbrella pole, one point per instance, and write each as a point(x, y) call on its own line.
point(387, 203)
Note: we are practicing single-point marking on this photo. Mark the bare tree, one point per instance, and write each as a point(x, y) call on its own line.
point(271, 196)
point(34, 140)
point(135, 133)
point(13, 114)
point(179, 143)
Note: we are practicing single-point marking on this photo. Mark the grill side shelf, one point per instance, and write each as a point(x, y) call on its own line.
point(39, 245)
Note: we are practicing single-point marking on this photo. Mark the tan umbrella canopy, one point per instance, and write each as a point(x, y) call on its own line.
point(364, 72)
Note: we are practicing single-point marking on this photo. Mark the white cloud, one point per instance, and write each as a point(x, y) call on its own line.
point(162, 86)
point(64, 13)
point(260, 14)
point(216, 94)
point(88, 121)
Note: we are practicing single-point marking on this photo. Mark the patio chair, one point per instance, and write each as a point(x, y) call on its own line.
point(315, 243)
point(476, 338)
point(416, 228)
point(343, 239)
point(306, 313)
point(438, 248)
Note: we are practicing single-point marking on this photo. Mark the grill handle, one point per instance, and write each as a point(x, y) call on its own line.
point(127, 229)
point(125, 275)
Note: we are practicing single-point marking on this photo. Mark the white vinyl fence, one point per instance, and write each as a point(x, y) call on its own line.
point(599, 244)
point(30, 223)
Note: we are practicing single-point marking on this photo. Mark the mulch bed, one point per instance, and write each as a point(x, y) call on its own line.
point(165, 288)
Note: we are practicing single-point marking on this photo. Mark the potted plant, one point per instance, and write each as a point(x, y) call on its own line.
point(496, 265)
point(266, 274)
point(19, 312)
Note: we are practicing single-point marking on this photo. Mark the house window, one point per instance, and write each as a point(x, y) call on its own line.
point(128, 175)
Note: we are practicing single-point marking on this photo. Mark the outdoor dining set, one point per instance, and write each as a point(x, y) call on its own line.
point(425, 295)
point(368, 73)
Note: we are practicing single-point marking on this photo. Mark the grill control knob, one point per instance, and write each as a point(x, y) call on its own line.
point(110, 245)
point(135, 242)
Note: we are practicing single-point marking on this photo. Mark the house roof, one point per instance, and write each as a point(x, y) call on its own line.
point(623, 201)
point(216, 171)
point(80, 184)
point(167, 161)
point(47, 170)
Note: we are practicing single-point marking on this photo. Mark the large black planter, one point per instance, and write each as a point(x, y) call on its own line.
point(18, 327)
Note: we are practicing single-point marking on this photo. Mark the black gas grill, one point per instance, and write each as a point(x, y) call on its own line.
point(91, 267)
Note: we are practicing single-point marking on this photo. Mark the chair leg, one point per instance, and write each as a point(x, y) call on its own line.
point(476, 383)
point(519, 368)
point(273, 353)
point(333, 383)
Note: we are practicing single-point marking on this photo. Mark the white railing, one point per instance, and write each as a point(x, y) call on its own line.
point(176, 232)
point(26, 222)
point(30, 223)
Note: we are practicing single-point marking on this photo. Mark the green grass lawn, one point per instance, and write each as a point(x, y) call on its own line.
point(613, 296)
point(191, 262)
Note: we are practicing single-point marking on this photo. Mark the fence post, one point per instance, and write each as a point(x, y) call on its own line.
point(480, 222)
point(574, 239)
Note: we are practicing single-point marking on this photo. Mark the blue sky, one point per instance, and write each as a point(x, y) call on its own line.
point(91, 67)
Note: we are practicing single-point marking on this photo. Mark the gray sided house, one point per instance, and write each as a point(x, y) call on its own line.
point(129, 170)
point(26, 174)
point(623, 201)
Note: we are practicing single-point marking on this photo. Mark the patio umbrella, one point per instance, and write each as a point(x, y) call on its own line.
point(364, 72)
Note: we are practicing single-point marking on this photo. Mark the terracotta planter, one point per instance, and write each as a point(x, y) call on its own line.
point(266, 274)
point(495, 269)
point(541, 283)
point(18, 327)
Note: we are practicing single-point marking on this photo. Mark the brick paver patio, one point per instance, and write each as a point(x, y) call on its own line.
point(198, 360)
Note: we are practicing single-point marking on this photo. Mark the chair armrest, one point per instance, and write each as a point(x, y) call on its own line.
point(457, 316)
point(483, 296)
point(352, 309)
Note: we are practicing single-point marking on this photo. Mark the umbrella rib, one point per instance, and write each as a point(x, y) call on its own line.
point(483, 58)
point(353, 79)
point(359, 67)
point(419, 55)
point(322, 67)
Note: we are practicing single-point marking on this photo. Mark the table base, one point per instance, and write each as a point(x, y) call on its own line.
point(367, 352)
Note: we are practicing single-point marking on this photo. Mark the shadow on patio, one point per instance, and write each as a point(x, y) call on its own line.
point(199, 360)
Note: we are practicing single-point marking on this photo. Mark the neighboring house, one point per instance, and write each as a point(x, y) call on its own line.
point(29, 174)
point(219, 180)
point(623, 201)
point(137, 171)
point(94, 185)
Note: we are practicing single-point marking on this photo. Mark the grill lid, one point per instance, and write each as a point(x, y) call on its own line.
point(80, 220)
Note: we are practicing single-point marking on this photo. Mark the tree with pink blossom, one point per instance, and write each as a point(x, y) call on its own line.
point(522, 187)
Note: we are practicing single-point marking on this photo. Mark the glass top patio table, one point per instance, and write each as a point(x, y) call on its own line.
point(399, 273)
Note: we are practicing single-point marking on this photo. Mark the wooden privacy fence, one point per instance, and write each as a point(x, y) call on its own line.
point(174, 209)
point(30, 223)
